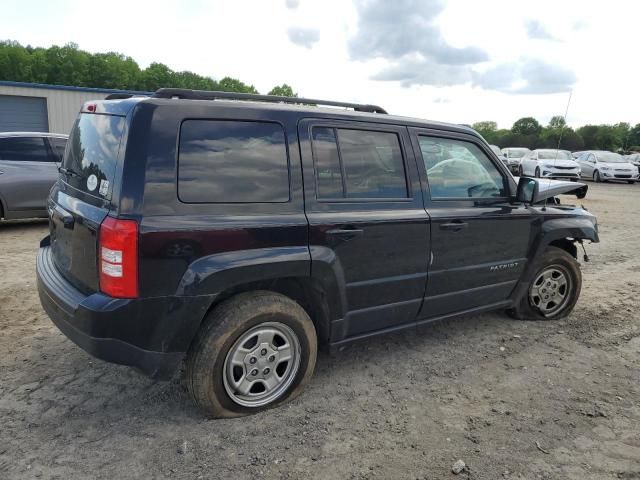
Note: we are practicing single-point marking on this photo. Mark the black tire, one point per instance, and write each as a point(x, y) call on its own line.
point(205, 365)
point(596, 177)
point(553, 257)
point(537, 172)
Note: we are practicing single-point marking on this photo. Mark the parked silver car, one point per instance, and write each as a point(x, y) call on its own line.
point(550, 163)
point(29, 164)
point(602, 166)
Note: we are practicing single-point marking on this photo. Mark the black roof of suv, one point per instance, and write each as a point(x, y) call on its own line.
point(240, 232)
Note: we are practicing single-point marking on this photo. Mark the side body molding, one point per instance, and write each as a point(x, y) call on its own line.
point(215, 273)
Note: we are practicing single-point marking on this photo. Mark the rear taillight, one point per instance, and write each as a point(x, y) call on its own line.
point(118, 257)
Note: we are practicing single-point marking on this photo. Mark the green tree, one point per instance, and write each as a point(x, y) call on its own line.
point(155, 76)
point(15, 62)
point(67, 65)
point(228, 84)
point(113, 70)
point(526, 126)
point(634, 138)
point(283, 90)
point(588, 134)
point(557, 121)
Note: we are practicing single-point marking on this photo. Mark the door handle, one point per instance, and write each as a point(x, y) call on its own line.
point(454, 226)
point(345, 232)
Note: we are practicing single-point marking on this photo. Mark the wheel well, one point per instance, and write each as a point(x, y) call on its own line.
point(567, 245)
point(303, 290)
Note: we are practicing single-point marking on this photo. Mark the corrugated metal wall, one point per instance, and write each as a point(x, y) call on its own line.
point(62, 105)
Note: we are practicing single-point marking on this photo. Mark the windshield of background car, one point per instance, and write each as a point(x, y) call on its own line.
point(517, 153)
point(92, 153)
point(554, 155)
point(610, 157)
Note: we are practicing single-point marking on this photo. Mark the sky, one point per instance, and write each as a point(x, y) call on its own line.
point(458, 61)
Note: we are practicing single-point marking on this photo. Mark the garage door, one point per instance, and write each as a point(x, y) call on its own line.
point(23, 114)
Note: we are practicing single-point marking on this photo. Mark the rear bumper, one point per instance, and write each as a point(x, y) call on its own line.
point(149, 334)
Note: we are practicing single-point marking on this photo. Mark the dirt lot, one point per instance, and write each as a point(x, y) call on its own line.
point(511, 399)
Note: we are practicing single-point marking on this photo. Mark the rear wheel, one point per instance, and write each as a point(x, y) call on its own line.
point(554, 288)
point(254, 351)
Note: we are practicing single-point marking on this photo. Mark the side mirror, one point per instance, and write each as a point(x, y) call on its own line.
point(527, 190)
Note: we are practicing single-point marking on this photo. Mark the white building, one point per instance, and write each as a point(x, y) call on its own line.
point(36, 107)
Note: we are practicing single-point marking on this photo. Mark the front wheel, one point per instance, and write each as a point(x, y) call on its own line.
point(596, 177)
point(254, 351)
point(554, 288)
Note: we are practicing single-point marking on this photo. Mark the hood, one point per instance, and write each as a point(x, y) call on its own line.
point(618, 166)
point(560, 163)
point(550, 188)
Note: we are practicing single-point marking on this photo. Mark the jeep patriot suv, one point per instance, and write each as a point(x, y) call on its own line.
point(240, 232)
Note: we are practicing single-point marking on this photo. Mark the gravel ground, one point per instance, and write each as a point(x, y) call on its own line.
point(550, 400)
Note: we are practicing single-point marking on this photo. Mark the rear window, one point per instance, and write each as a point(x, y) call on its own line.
point(23, 149)
point(221, 161)
point(92, 154)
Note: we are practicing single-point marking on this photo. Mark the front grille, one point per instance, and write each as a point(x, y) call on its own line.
point(622, 170)
point(617, 175)
point(566, 168)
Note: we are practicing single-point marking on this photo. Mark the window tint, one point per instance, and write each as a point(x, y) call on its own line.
point(232, 162)
point(328, 172)
point(23, 149)
point(371, 161)
point(458, 169)
point(93, 152)
point(58, 145)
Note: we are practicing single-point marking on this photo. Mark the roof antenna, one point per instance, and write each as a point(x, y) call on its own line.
point(565, 122)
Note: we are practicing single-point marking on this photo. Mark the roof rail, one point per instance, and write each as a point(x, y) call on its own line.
point(215, 95)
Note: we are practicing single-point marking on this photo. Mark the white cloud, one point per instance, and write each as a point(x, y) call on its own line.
point(304, 37)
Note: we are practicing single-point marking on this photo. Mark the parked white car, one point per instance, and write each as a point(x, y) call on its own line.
point(602, 166)
point(549, 163)
point(514, 156)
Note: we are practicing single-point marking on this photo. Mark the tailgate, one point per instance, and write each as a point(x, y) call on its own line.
point(80, 200)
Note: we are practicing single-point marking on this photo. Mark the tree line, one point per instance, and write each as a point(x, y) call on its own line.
point(68, 65)
point(527, 132)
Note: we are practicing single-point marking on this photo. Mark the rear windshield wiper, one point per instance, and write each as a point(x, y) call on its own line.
point(68, 171)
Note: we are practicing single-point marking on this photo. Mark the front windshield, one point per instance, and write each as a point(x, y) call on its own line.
point(610, 157)
point(516, 152)
point(554, 155)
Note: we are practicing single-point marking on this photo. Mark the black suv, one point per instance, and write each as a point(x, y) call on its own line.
point(242, 231)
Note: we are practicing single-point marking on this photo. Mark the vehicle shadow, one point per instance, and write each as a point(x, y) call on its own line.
point(99, 392)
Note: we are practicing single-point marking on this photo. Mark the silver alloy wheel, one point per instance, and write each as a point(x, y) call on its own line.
point(261, 365)
point(551, 290)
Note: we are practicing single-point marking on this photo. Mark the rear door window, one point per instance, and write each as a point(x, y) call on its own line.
point(23, 149)
point(358, 164)
point(230, 161)
point(92, 155)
